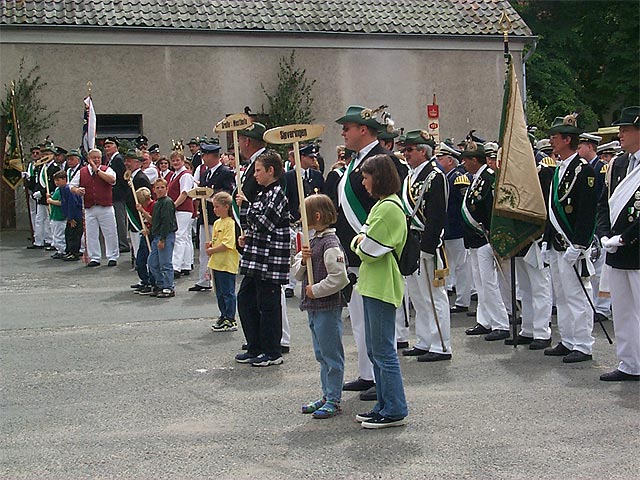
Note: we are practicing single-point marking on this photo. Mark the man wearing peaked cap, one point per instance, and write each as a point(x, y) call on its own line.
point(424, 191)
point(567, 239)
point(587, 149)
point(491, 316)
point(459, 266)
point(360, 129)
point(154, 151)
point(115, 160)
point(44, 177)
point(213, 174)
point(607, 151)
point(141, 142)
point(619, 226)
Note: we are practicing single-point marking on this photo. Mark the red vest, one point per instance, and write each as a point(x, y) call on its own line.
point(96, 190)
point(174, 192)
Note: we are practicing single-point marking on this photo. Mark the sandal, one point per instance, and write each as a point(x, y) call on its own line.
point(313, 406)
point(328, 410)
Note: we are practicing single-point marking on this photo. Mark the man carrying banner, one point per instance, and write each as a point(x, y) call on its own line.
point(619, 219)
point(491, 317)
point(360, 130)
point(568, 235)
point(425, 191)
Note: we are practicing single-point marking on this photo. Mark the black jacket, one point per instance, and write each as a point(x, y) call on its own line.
point(479, 201)
point(314, 184)
point(139, 180)
point(221, 180)
point(627, 225)
point(120, 187)
point(433, 209)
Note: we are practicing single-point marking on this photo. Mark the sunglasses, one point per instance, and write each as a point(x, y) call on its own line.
point(408, 149)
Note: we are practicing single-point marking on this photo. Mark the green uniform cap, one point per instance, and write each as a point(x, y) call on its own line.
point(567, 125)
point(629, 116)
point(361, 116)
point(255, 130)
point(419, 137)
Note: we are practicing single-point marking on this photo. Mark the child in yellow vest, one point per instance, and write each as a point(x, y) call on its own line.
point(224, 260)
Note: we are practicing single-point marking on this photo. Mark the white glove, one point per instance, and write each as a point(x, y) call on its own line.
point(610, 245)
point(572, 254)
point(25, 175)
point(37, 196)
point(544, 252)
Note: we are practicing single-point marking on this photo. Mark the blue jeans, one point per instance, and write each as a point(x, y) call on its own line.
point(380, 325)
point(326, 333)
point(160, 264)
point(225, 293)
point(142, 255)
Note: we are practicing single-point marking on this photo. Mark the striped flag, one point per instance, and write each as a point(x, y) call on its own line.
point(519, 211)
point(88, 126)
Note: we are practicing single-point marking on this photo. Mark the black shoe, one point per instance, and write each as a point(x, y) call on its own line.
point(35, 247)
point(458, 309)
point(576, 356)
point(369, 395)
point(618, 376)
point(93, 263)
point(539, 344)
point(288, 293)
point(472, 314)
point(600, 317)
point(166, 293)
point(71, 257)
point(154, 292)
point(521, 340)
point(185, 272)
point(137, 286)
point(358, 385)
point(384, 422)
point(414, 352)
point(363, 417)
point(497, 335)
point(401, 345)
point(112, 263)
point(49, 248)
point(558, 351)
point(198, 288)
point(434, 357)
point(125, 250)
point(244, 347)
point(477, 330)
point(285, 348)
point(57, 256)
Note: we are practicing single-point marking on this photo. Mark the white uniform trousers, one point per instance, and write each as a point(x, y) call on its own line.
point(42, 228)
point(535, 287)
point(285, 340)
point(491, 311)
point(625, 300)
point(356, 315)
point(459, 271)
point(427, 334)
point(204, 276)
point(101, 218)
point(504, 281)
point(182, 254)
point(33, 210)
point(575, 317)
point(602, 304)
point(57, 235)
point(402, 318)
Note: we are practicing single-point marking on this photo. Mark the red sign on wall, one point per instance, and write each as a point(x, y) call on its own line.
point(433, 111)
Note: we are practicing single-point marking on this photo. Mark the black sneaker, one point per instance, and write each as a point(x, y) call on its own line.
point(93, 263)
point(154, 292)
point(264, 360)
point(138, 285)
point(166, 293)
point(146, 290)
point(218, 326)
point(245, 357)
point(383, 422)
point(363, 417)
point(112, 263)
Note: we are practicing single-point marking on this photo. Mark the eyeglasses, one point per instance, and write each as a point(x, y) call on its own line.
point(408, 149)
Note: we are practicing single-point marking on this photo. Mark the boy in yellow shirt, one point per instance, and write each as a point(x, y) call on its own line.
point(224, 260)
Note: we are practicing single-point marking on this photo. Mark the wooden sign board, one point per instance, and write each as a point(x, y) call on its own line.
point(233, 122)
point(293, 133)
point(200, 192)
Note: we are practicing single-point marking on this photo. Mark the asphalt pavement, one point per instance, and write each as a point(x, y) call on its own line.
point(99, 383)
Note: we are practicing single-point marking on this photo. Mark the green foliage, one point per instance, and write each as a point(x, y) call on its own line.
point(32, 113)
point(537, 116)
point(292, 101)
point(586, 59)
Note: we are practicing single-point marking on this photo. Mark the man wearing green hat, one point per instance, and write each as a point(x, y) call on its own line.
point(619, 225)
point(73, 163)
point(568, 235)
point(491, 316)
point(424, 197)
point(360, 130)
point(42, 230)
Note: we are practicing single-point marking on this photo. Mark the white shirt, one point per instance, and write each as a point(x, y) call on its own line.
point(186, 181)
point(75, 181)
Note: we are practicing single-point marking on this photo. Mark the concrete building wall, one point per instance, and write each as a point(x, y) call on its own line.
point(183, 84)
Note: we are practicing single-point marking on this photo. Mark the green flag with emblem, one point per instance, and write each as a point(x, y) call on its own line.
point(519, 211)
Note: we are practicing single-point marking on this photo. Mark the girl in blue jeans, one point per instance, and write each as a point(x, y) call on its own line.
point(323, 302)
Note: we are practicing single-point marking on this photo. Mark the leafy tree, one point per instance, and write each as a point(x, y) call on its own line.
point(292, 101)
point(586, 58)
point(32, 112)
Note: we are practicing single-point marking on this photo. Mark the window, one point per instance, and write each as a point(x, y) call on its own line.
point(122, 126)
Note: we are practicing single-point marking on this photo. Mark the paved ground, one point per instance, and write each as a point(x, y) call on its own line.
point(100, 383)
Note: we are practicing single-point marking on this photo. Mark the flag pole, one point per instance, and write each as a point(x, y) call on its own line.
point(505, 26)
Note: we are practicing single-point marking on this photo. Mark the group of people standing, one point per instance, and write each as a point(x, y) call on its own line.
point(361, 215)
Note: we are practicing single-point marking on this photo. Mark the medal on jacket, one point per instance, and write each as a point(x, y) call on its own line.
point(569, 208)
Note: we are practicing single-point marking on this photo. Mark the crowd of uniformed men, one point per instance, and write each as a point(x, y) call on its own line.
point(586, 266)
